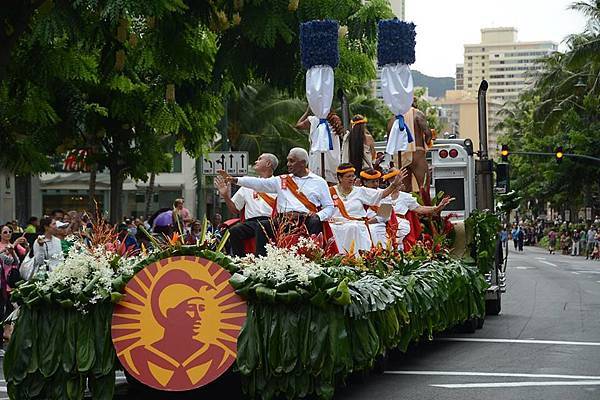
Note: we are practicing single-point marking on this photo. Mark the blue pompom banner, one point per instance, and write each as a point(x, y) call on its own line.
point(396, 42)
point(319, 43)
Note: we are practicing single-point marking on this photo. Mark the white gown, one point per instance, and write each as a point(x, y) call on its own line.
point(402, 204)
point(378, 229)
point(348, 231)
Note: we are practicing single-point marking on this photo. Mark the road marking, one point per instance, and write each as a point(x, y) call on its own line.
point(495, 374)
point(515, 384)
point(575, 273)
point(525, 267)
point(540, 258)
point(518, 341)
point(548, 263)
point(589, 272)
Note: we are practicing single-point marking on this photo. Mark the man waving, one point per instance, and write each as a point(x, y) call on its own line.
point(301, 195)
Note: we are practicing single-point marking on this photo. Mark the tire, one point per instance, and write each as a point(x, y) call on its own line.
point(480, 322)
point(381, 363)
point(470, 325)
point(493, 307)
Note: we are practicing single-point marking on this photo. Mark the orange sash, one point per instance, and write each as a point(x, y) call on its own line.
point(268, 199)
point(337, 202)
point(288, 183)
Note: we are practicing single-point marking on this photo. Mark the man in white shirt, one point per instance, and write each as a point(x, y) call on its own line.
point(257, 207)
point(299, 194)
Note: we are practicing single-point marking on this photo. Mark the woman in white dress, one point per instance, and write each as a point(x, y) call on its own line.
point(371, 178)
point(349, 222)
point(404, 202)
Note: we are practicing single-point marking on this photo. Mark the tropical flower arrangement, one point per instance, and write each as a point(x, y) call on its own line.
point(282, 265)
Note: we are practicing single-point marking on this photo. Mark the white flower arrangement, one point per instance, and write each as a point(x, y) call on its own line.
point(281, 264)
point(89, 272)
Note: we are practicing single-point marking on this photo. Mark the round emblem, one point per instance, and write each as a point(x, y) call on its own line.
point(176, 328)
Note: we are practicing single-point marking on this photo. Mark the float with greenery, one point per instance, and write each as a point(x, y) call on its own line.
point(312, 319)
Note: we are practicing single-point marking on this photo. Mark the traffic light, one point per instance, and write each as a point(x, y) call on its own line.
point(559, 154)
point(504, 153)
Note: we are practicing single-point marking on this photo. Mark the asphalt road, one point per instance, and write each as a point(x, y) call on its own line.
point(544, 345)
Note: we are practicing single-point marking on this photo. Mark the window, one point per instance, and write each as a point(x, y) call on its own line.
point(177, 162)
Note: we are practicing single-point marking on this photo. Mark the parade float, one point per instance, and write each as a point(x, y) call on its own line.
point(293, 323)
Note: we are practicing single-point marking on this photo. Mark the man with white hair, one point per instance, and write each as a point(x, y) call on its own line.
point(301, 195)
point(254, 207)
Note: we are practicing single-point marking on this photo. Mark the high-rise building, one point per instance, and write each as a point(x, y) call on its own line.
point(507, 64)
point(398, 7)
point(459, 82)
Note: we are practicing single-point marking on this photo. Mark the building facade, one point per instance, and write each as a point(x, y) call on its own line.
point(459, 81)
point(399, 8)
point(507, 64)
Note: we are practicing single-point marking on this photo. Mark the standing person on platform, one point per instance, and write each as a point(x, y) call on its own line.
point(415, 157)
point(255, 207)
point(358, 148)
point(299, 195)
point(332, 158)
point(349, 222)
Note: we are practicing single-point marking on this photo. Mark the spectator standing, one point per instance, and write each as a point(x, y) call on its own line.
point(32, 225)
point(520, 237)
point(514, 236)
point(591, 242)
point(184, 215)
point(582, 241)
point(504, 237)
point(565, 241)
point(47, 249)
point(195, 233)
point(551, 241)
point(575, 243)
point(57, 214)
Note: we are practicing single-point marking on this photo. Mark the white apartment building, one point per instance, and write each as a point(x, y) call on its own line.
point(507, 64)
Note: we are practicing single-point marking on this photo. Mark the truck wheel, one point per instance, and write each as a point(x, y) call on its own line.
point(480, 322)
point(493, 307)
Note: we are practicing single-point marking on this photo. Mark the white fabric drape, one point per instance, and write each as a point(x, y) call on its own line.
point(397, 89)
point(319, 92)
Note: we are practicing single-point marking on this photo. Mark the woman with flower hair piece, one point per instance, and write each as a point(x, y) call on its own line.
point(349, 222)
point(358, 147)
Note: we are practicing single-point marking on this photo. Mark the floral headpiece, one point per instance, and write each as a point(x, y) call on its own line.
point(366, 175)
point(345, 171)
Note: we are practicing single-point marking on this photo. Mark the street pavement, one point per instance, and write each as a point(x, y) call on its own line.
point(544, 345)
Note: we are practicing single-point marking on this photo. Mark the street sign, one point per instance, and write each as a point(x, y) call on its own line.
point(233, 162)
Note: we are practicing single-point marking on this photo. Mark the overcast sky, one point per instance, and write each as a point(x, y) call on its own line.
point(444, 26)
